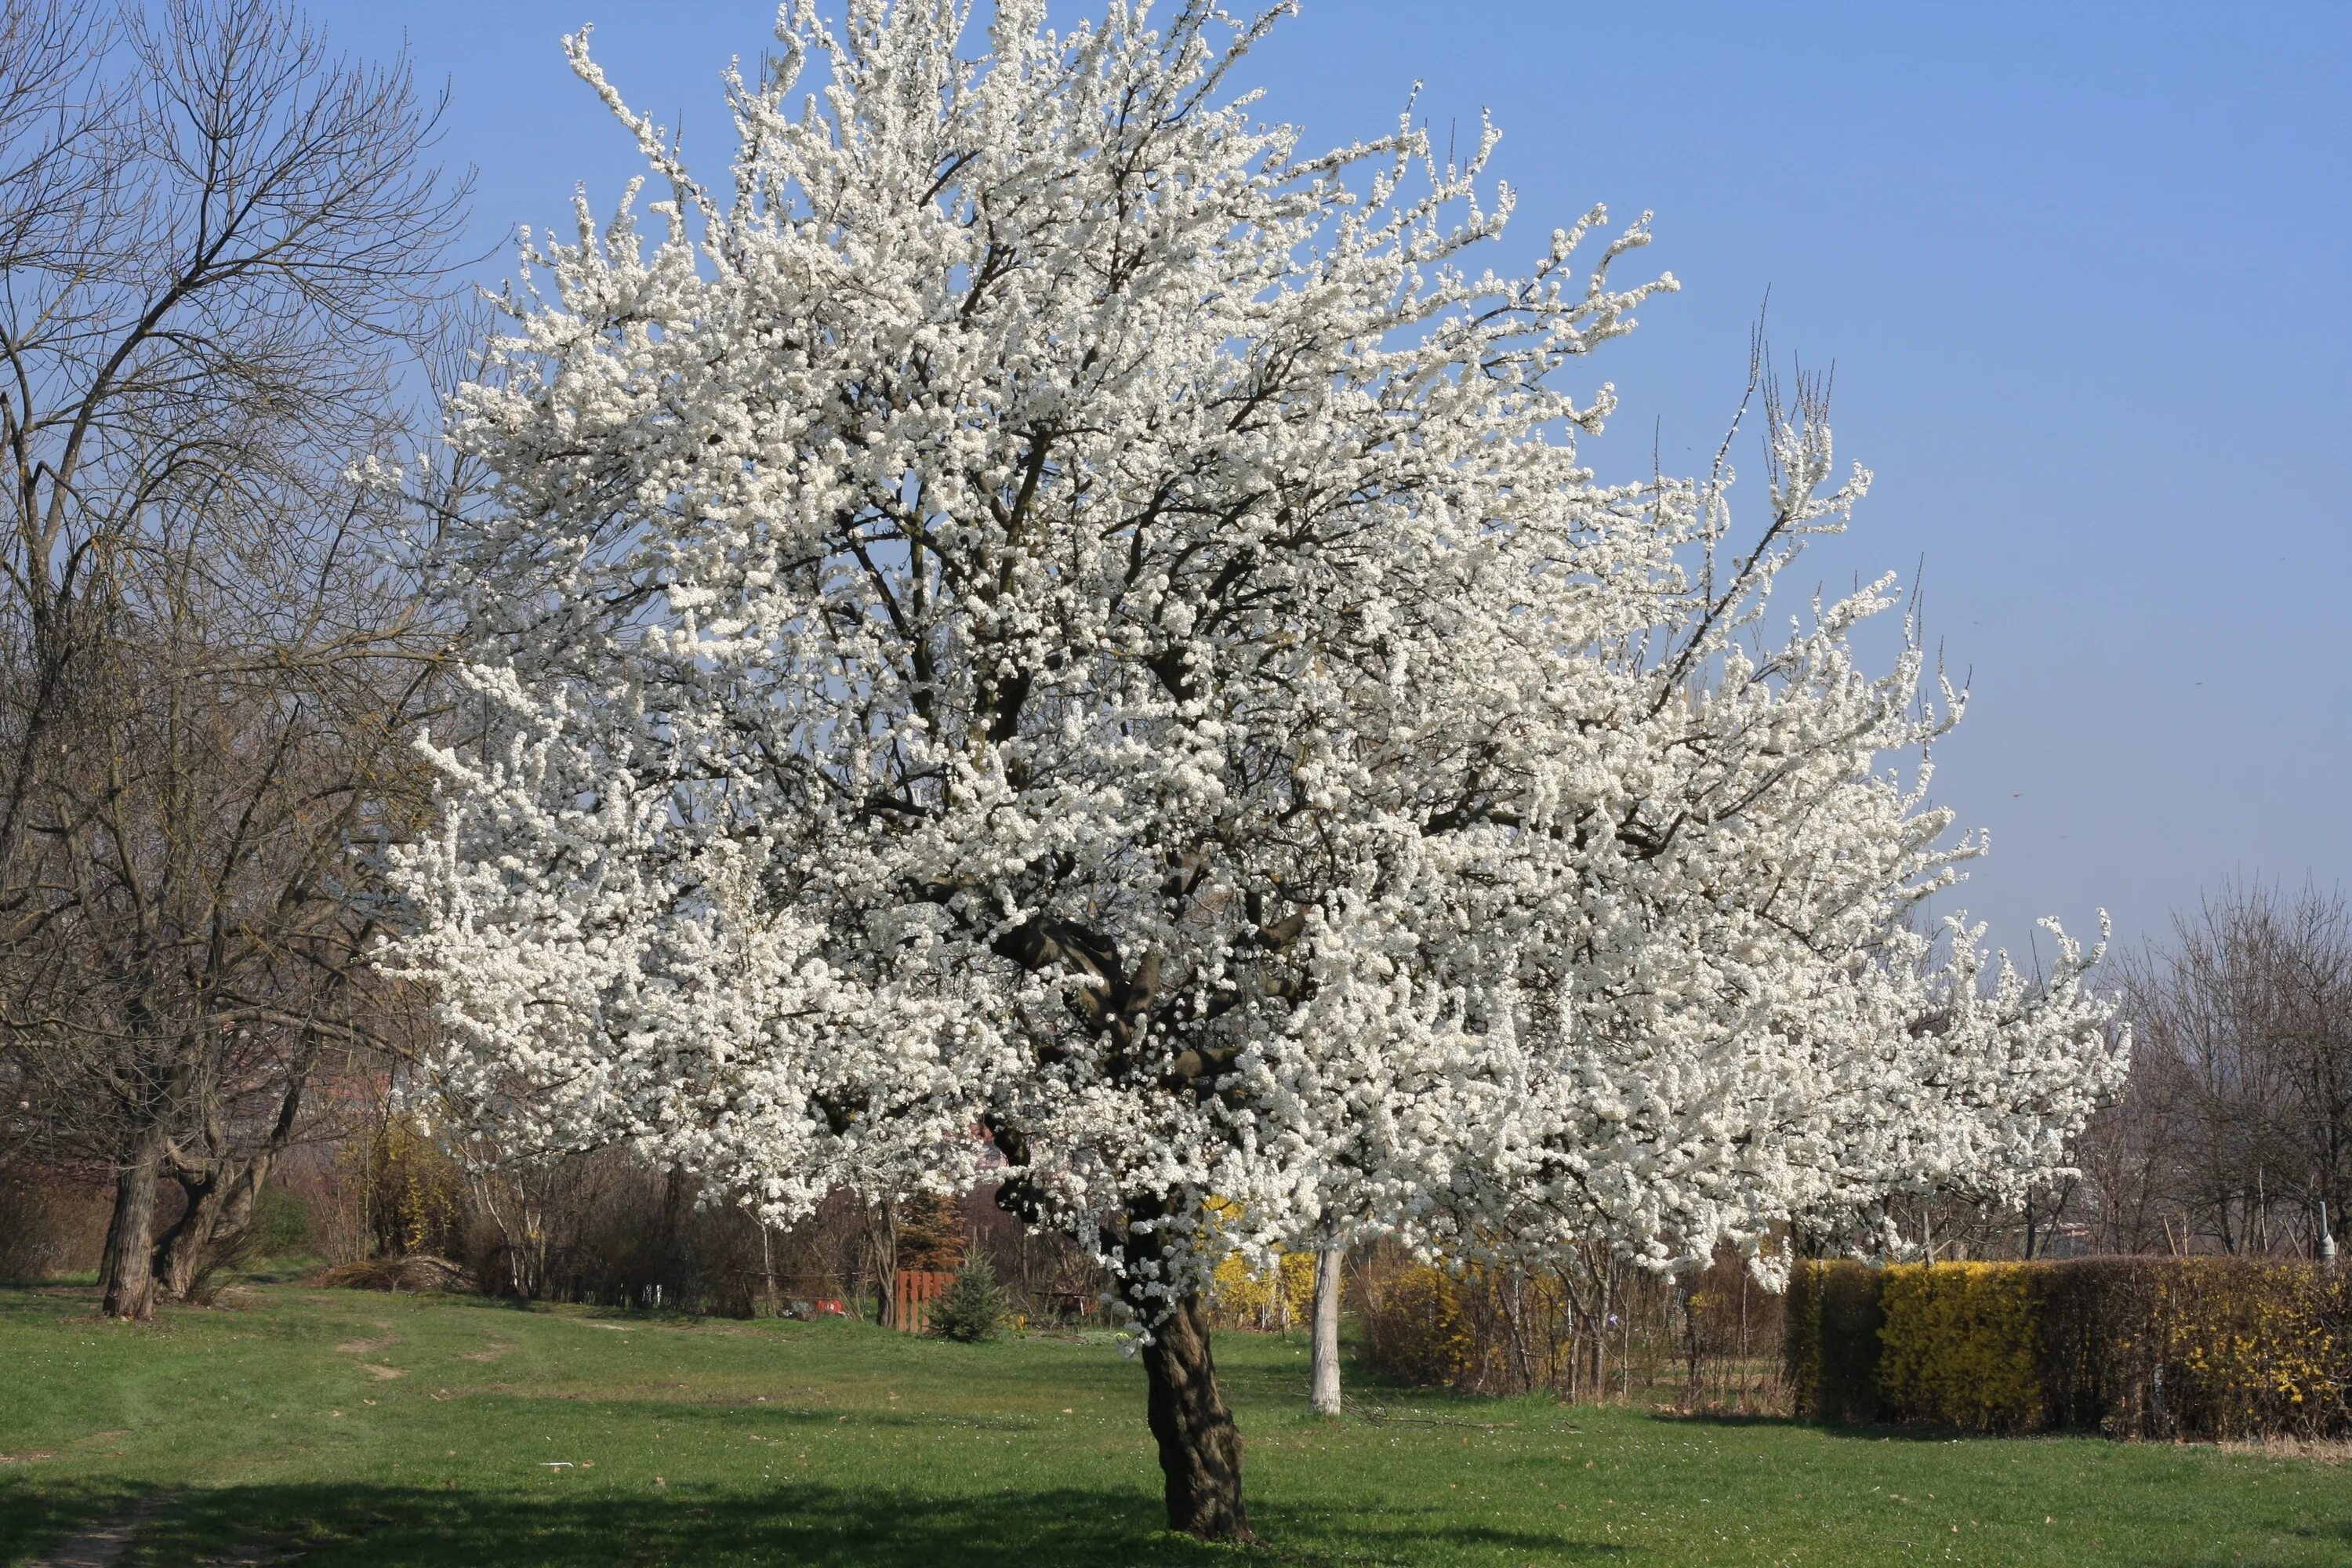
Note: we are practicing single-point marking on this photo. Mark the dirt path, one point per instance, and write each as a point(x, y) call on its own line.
point(101, 1546)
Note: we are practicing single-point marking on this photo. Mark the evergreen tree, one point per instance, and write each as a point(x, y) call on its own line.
point(974, 1308)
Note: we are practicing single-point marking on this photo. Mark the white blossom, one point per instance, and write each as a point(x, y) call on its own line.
point(1033, 605)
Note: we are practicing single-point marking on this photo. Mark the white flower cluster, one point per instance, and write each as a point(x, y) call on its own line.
point(1042, 610)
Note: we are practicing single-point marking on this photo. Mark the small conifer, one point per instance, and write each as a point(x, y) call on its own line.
point(974, 1308)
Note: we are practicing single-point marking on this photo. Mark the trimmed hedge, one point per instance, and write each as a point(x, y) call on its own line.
point(1831, 1350)
point(1958, 1345)
point(2134, 1347)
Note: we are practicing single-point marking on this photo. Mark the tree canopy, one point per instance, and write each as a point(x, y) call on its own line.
point(1038, 606)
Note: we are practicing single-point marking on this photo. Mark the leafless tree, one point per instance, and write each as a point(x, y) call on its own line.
point(2128, 1155)
point(2244, 1028)
point(225, 263)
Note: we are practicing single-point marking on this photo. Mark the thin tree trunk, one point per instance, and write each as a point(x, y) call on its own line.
point(1515, 1308)
point(1323, 1338)
point(670, 1291)
point(884, 1240)
point(1200, 1448)
point(1695, 1392)
point(130, 1263)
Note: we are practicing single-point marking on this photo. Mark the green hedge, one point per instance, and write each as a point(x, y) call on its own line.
point(2134, 1347)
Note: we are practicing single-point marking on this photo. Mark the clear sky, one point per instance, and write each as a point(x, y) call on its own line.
point(2081, 268)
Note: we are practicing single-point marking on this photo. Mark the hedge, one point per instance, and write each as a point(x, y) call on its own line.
point(1832, 1325)
point(1701, 1341)
point(2134, 1347)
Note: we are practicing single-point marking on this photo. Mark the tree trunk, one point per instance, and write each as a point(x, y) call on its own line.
point(1323, 1339)
point(185, 1246)
point(129, 1270)
point(219, 1213)
point(1199, 1449)
point(1515, 1308)
point(222, 1193)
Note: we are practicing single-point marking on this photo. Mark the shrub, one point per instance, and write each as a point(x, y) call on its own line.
point(1417, 1330)
point(931, 1233)
point(1958, 1345)
point(974, 1308)
point(1832, 1345)
point(283, 1224)
point(415, 1271)
point(2217, 1348)
point(49, 1227)
point(413, 1194)
point(1275, 1298)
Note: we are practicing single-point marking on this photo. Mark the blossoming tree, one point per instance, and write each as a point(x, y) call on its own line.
point(1037, 607)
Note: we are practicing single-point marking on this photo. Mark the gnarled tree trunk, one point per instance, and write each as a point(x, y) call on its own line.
point(1200, 1447)
point(185, 1245)
point(223, 1189)
point(219, 1213)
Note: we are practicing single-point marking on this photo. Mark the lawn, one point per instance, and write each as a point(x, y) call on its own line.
point(367, 1429)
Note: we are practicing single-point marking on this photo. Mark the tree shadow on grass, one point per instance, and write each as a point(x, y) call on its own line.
point(1729, 1418)
point(34, 1516)
point(818, 1527)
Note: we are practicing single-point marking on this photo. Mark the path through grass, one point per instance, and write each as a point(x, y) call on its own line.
point(422, 1432)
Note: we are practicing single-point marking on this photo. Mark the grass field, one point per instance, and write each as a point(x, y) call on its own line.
point(365, 1429)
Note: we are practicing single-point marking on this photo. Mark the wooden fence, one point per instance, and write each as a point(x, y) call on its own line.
point(911, 1298)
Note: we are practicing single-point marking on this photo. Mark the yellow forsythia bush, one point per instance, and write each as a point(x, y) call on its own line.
point(1417, 1330)
point(2247, 1348)
point(1275, 1297)
point(1958, 1345)
point(1272, 1298)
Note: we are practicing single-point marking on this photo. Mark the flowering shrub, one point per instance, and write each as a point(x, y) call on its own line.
point(2215, 1347)
point(1958, 1345)
point(1270, 1297)
point(2261, 1347)
point(1418, 1329)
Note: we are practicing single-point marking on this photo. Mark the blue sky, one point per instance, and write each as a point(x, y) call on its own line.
point(2081, 269)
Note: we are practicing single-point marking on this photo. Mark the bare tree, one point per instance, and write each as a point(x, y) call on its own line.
point(225, 259)
point(2127, 1156)
point(2242, 1113)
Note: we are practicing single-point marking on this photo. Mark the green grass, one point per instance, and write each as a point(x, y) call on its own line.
point(363, 1429)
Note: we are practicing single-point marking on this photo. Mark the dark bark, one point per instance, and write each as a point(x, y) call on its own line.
point(219, 1213)
point(221, 1193)
point(186, 1243)
point(129, 1270)
point(1200, 1448)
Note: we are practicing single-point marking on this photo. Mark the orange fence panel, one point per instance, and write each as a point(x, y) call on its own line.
point(911, 1297)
